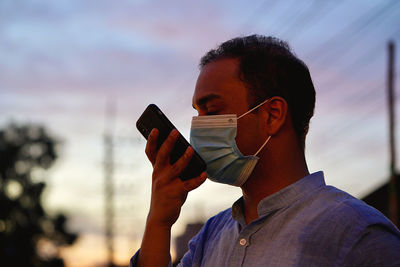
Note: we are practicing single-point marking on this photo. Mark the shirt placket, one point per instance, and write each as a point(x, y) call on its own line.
point(240, 246)
point(243, 242)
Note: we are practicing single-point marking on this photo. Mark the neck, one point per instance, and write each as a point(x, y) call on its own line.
point(272, 174)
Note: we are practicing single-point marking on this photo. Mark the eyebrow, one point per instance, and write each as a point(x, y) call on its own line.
point(202, 101)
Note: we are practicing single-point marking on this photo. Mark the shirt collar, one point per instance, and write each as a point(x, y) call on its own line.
point(284, 197)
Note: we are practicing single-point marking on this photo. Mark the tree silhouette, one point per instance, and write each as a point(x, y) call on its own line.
point(28, 235)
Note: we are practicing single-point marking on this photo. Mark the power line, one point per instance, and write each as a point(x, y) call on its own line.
point(347, 133)
point(355, 100)
point(318, 10)
point(299, 23)
point(263, 9)
point(352, 29)
point(294, 19)
point(377, 97)
point(366, 59)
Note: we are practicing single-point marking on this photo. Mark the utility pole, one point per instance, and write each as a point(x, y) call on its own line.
point(394, 185)
point(109, 183)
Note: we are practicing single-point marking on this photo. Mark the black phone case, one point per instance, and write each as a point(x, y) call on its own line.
point(152, 118)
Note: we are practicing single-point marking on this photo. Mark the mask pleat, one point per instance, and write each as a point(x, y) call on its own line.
point(213, 155)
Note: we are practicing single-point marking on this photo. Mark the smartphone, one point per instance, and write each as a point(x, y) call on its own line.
point(152, 118)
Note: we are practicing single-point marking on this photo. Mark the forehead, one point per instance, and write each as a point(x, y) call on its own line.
point(220, 79)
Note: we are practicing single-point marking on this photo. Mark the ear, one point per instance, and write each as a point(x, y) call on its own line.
point(276, 110)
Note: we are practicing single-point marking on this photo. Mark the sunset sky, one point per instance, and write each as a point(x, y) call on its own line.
point(62, 61)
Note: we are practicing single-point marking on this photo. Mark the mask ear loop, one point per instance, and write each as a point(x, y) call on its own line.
point(247, 112)
point(266, 141)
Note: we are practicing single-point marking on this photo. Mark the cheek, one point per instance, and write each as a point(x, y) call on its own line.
point(247, 138)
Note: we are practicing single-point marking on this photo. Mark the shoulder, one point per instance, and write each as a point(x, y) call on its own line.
point(336, 215)
point(350, 229)
point(369, 231)
point(373, 239)
point(331, 208)
point(347, 209)
point(353, 223)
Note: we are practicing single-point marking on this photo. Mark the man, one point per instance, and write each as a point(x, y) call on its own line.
point(254, 100)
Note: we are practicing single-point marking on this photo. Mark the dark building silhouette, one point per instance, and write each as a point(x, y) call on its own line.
point(379, 198)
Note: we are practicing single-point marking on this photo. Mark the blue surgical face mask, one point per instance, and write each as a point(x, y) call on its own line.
point(213, 137)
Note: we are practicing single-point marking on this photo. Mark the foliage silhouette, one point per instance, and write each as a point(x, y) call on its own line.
point(28, 235)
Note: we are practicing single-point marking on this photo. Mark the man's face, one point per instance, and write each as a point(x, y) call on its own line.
point(220, 91)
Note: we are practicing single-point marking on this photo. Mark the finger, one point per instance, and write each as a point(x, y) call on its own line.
point(182, 162)
point(191, 184)
point(151, 146)
point(167, 147)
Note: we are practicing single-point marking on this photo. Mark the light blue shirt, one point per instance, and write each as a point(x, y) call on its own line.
point(305, 224)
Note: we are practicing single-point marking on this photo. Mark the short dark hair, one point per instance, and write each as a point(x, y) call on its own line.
point(268, 68)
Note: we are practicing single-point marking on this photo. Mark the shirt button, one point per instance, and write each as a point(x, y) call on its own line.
point(242, 242)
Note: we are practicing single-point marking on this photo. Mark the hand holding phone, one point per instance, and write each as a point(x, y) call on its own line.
point(165, 149)
point(153, 117)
